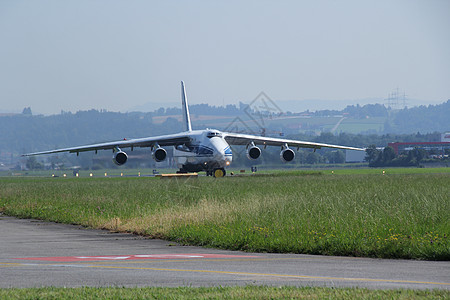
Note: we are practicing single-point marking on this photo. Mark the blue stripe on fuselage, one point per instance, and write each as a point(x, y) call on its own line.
point(228, 151)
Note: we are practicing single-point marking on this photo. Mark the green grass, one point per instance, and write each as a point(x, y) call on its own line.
point(355, 126)
point(247, 292)
point(356, 171)
point(337, 169)
point(387, 216)
point(388, 171)
point(350, 125)
point(85, 173)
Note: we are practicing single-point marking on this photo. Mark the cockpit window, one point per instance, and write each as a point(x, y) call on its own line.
point(211, 134)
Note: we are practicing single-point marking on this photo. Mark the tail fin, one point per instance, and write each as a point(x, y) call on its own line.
point(185, 108)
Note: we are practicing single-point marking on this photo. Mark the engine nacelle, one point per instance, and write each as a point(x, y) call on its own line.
point(287, 155)
point(159, 154)
point(120, 157)
point(253, 152)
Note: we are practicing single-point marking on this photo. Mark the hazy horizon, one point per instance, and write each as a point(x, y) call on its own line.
point(116, 55)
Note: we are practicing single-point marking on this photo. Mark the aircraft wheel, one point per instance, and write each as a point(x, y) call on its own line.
point(219, 173)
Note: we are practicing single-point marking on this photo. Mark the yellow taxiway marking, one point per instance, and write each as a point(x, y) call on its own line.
point(273, 275)
point(97, 265)
point(10, 264)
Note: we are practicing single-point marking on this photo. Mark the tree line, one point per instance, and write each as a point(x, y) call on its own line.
point(388, 158)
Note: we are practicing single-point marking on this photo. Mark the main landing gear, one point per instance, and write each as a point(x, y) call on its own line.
point(182, 171)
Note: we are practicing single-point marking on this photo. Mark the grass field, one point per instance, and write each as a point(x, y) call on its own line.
point(366, 171)
point(248, 292)
point(85, 173)
point(372, 215)
point(339, 169)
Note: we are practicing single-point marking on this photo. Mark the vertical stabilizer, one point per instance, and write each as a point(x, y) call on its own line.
point(185, 108)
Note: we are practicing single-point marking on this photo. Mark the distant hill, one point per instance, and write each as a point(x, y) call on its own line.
point(22, 133)
point(422, 119)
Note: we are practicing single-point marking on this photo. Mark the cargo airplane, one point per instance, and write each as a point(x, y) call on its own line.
point(198, 150)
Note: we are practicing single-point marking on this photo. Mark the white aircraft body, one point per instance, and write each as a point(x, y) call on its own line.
point(198, 150)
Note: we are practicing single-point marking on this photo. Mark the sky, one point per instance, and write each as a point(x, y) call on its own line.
point(118, 55)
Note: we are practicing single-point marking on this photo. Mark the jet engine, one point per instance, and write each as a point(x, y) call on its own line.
point(287, 154)
point(120, 157)
point(253, 152)
point(159, 154)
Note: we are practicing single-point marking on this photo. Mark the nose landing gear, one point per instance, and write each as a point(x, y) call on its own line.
point(220, 172)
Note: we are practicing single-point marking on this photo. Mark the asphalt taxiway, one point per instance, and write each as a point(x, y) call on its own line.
point(35, 254)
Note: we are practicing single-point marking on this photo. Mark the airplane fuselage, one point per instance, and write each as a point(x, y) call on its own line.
point(206, 151)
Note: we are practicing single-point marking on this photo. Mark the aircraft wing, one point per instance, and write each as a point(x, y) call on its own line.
point(163, 140)
point(245, 139)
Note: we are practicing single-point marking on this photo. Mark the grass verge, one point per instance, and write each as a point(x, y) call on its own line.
point(398, 216)
point(247, 292)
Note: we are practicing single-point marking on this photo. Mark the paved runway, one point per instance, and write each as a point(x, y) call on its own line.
point(35, 254)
